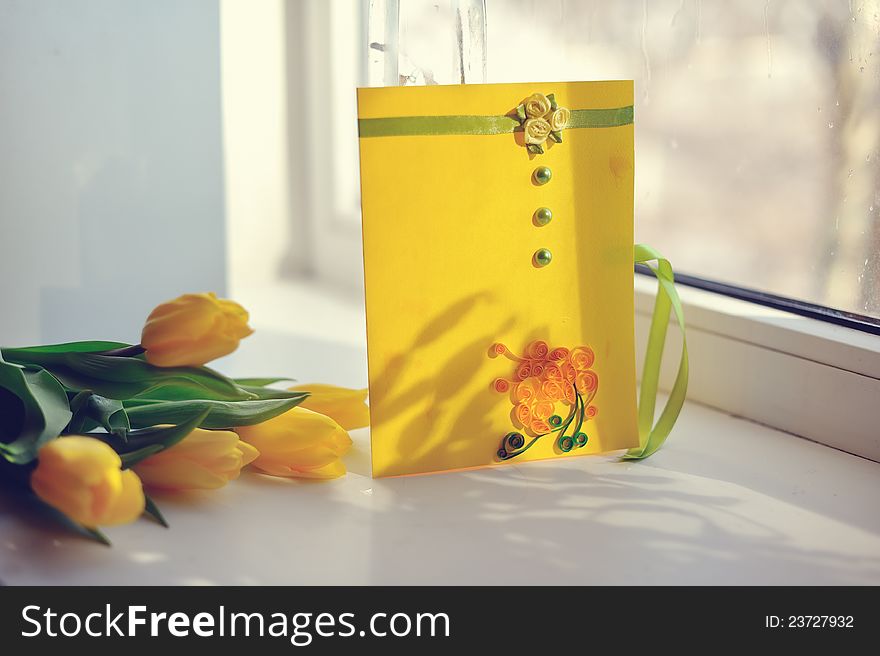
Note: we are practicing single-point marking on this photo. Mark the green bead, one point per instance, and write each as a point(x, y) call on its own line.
point(543, 257)
point(542, 175)
point(543, 216)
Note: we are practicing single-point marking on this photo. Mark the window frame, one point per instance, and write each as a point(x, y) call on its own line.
point(798, 367)
point(806, 376)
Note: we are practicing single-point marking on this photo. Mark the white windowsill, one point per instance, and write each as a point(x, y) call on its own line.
point(803, 376)
point(725, 501)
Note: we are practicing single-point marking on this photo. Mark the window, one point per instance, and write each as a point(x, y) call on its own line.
point(757, 148)
point(757, 124)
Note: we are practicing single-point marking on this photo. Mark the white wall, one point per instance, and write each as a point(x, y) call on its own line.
point(263, 183)
point(111, 163)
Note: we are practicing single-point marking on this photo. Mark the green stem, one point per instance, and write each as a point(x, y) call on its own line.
point(127, 352)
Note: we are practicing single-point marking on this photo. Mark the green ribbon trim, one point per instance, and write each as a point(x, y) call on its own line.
point(408, 126)
point(652, 438)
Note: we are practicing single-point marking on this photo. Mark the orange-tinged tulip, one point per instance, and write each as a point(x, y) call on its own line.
point(298, 443)
point(347, 407)
point(203, 460)
point(83, 478)
point(193, 329)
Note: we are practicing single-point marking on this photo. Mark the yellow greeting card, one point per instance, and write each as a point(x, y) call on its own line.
point(498, 257)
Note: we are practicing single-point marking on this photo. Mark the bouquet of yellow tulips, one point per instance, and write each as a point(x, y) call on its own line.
point(91, 427)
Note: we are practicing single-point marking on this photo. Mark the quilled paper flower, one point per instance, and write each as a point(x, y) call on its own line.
point(540, 426)
point(501, 385)
point(582, 358)
point(553, 372)
point(559, 353)
point(586, 381)
point(551, 391)
point(542, 410)
point(527, 390)
point(538, 350)
point(523, 413)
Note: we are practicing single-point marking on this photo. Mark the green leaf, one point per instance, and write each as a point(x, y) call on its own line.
point(153, 510)
point(132, 458)
point(270, 393)
point(30, 505)
point(174, 393)
point(96, 534)
point(556, 135)
point(520, 112)
point(261, 382)
point(33, 410)
point(90, 410)
point(219, 414)
point(535, 148)
point(71, 347)
point(125, 377)
point(553, 104)
point(142, 444)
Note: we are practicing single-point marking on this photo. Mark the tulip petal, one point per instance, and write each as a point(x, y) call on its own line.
point(345, 406)
point(248, 453)
point(129, 504)
point(193, 329)
point(334, 469)
point(295, 429)
point(81, 477)
point(191, 353)
point(179, 475)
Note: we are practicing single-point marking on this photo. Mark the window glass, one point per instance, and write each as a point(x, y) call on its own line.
point(757, 129)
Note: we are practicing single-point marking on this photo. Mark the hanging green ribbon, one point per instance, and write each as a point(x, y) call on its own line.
point(407, 126)
point(651, 435)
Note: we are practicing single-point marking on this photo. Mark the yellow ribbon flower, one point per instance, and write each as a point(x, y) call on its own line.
point(298, 443)
point(536, 130)
point(559, 119)
point(203, 460)
point(193, 329)
point(537, 105)
point(347, 407)
point(82, 477)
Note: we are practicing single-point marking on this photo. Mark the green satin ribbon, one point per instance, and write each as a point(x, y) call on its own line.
point(408, 126)
point(651, 435)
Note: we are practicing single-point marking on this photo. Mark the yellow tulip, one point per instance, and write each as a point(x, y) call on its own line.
point(298, 443)
point(193, 329)
point(82, 477)
point(347, 407)
point(203, 460)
